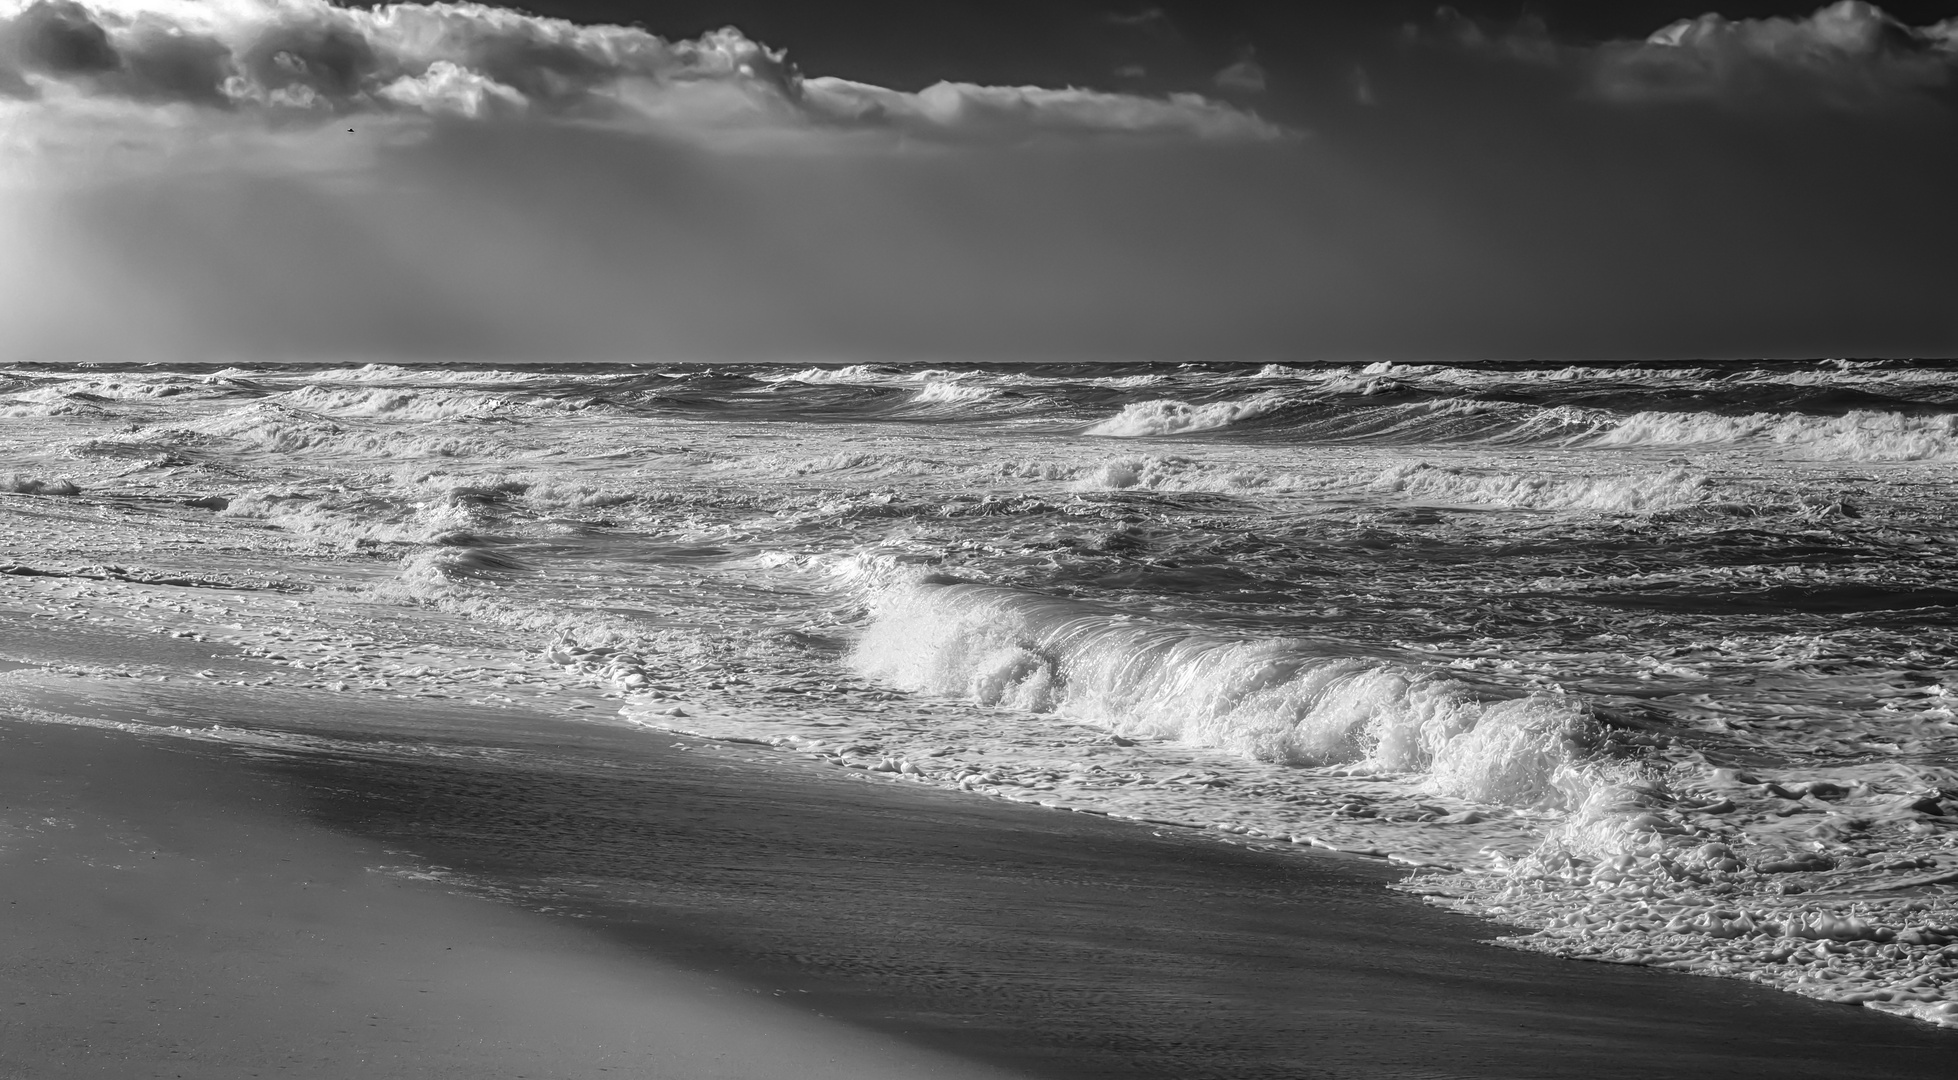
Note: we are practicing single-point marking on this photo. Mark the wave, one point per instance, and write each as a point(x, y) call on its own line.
point(1127, 382)
point(1642, 493)
point(1169, 417)
point(280, 428)
point(395, 373)
point(946, 392)
point(421, 508)
point(58, 407)
point(22, 484)
point(1277, 699)
point(853, 374)
point(1855, 436)
point(133, 387)
point(1173, 473)
point(418, 404)
point(1628, 493)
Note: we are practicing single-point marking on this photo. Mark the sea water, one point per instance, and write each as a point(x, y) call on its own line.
point(1648, 663)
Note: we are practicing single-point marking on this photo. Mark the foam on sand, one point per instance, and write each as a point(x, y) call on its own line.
point(1683, 869)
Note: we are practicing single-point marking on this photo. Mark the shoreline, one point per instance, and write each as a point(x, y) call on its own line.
point(941, 935)
point(171, 915)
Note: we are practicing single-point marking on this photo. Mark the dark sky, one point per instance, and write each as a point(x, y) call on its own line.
point(912, 43)
point(1361, 181)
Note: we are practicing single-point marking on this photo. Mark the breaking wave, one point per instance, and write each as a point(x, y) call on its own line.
point(1277, 699)
point(1169, 417)
point(1854, 436)
point(1857, 435)
point(1670, 489)
point(415, 404)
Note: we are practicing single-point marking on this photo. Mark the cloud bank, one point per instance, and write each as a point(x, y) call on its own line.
point(288, 60)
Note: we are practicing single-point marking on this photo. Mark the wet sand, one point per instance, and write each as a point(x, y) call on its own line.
point(593, 901)
point(171, 915)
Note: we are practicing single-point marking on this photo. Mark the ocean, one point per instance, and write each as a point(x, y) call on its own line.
point(1649, 663)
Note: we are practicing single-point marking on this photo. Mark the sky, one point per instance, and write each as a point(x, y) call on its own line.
point(233, 180)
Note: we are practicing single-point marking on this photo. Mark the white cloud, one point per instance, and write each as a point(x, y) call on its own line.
point(286, 59)
point(963, 110)
point(447, 87)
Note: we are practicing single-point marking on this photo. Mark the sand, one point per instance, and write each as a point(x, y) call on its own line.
point(191, 910)
point(371, 885)
point(169, 917)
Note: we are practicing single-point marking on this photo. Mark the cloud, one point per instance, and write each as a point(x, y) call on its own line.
point(290, 60)
point(522, 187)
point(1246, 76)
point(1850, 55)
point(1152, 20)
point(1362, 86)
point(968, 111)
point(447, 87)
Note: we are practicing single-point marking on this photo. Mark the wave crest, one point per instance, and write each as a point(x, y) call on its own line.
point(1165, 416)
point(1860, 435)
point(1643, 493)
point(1272, 698)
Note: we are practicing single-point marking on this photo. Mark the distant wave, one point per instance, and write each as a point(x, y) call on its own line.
point(1855, 436)
point(1641, 492)
point(372, 374)
point(1329, 414)
point(1173, 473)
point(852, 374)
point(1168, 417)
point(132, 387)
point(281, 428)
point(415, 404)
point(1272, 698)
point(947, 392)
point(1667, 489)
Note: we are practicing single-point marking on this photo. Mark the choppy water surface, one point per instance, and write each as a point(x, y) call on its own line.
point(1652, 663)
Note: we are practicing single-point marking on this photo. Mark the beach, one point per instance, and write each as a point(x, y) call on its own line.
point(1077, 721)
point(542, 904)
point(1065, 541)
point(169, 916)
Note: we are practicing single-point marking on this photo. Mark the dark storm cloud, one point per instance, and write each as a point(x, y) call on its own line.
point(154, 61)
point(162, 64)
point(58, 37)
